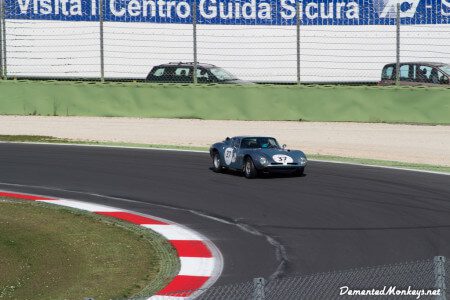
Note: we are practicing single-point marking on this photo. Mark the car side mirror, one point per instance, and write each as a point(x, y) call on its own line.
point(284, 146)
point(227, 139)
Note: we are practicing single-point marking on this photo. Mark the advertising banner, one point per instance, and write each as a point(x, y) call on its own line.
point(235, 12)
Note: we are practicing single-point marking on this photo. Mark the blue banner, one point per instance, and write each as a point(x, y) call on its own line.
point(238, 12)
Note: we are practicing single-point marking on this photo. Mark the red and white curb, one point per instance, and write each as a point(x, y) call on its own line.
point(201, 262)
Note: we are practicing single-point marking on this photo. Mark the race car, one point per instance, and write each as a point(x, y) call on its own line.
point(254, 155)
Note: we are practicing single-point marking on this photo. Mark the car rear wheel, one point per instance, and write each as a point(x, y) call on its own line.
point(217, 162)
point(249, 169)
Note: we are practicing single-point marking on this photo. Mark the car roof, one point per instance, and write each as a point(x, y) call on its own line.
point(429, 63)
point(185, 64)
point(251, 136)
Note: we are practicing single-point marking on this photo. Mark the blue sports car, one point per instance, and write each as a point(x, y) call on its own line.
point(256, 154)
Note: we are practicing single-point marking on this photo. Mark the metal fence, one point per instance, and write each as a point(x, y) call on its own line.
point(415, 280)
point(96, 46)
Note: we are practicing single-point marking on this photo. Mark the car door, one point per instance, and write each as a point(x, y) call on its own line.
point(407, 74)
point(238, 155)
point(230, 154)
point(183, 75)
point(443, 78)
point(423, 73)
point(168, 75)
point(203, 76)
point(438, 77)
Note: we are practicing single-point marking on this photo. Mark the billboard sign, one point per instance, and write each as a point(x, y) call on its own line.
point(236, 12)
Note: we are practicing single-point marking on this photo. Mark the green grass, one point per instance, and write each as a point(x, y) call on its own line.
point(362, 161)
point(55, 140)
point(51, 252)
point(378, 162)
point(33, 139)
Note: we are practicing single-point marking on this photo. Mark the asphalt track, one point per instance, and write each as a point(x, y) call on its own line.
point(335, 217)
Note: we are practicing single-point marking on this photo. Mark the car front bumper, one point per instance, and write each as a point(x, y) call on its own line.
point(281, 168)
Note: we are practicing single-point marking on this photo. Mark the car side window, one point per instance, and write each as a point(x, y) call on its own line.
point(169, 74)
point(438, 77)
point(202, 73)
point(423, 73)
point(443, 79)
point(249, 143)
point(236, 143)
point(182, 72)
point(405, 72)
point(158, 72)
point(387, 73)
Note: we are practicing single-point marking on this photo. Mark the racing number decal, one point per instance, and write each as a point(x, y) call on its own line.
point(284, 159)
point(228, 154)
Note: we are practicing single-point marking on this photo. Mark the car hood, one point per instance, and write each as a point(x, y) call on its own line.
point(270, 152)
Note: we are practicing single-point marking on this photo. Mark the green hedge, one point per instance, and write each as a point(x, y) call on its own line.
point(227, 102)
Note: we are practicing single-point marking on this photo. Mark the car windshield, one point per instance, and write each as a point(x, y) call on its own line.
point(259, 142)
point(446, 69)
point(222, 74)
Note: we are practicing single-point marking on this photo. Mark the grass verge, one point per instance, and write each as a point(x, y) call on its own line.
point(52, 252)
point(331, 158)
point(381, 163)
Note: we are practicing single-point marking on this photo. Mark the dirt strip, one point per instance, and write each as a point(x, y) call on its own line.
point(406, 143)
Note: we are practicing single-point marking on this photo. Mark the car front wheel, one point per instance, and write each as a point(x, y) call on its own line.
point(217, 163)
point(249, 169)
point(299, 171)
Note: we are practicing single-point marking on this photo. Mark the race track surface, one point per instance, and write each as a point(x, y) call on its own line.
point(335, 217)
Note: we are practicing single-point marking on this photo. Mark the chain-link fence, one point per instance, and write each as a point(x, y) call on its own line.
point(415, 280)
point(260, 41)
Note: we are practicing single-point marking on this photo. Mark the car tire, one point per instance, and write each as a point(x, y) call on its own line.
point(217, 162)
point(249, 169)
point(299, 172)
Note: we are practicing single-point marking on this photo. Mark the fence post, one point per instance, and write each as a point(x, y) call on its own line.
point(1, 39)
point(259, 292)
point(299, 20)
point(439, 276)
point(397, 63)
point(3, 70)
point(102, 46)
point(194, 32)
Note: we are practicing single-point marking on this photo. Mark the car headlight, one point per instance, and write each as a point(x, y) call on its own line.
point(263, 160)
point(303, 160)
